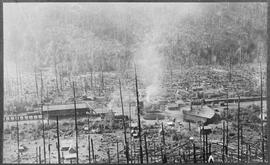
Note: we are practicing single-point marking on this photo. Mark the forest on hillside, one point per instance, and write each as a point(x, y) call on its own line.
point(79, 38)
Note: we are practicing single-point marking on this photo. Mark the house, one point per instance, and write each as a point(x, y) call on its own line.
point(68, 150)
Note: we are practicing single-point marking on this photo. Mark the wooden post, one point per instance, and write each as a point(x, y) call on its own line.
point(39, 153)
point(76, 129)
point(93, 154)
point(194, 153)
point(49, 149)
point(89, 149)
point(203, 138)
point(58, 141)
point(117, 150)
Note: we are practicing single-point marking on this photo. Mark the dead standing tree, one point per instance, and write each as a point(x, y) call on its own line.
point(139, 120)
point(76, 129)
point(58, 141)
point(124, 123)
point(262, 119)
point(18, 137)
point(42, 116)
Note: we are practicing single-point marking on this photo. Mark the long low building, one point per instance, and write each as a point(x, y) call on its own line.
point(66, 110)
point(235, 99)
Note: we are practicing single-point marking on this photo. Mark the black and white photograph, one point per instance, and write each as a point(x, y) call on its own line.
point(135, 83)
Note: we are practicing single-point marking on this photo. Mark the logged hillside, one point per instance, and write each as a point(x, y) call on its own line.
point(79, 38)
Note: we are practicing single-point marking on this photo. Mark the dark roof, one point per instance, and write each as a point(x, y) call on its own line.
point(65, 107)
point(204, 111)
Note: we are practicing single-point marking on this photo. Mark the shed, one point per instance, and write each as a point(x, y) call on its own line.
point(66, 110)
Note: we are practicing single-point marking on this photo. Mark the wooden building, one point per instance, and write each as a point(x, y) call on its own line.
point(66, 110)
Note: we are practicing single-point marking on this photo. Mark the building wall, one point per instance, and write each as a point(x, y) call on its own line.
point(195, 119)
point(65, 113)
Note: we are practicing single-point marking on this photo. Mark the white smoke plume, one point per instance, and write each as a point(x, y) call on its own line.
point(149, 57)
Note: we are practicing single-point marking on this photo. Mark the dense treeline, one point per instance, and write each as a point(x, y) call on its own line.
point(92, 37)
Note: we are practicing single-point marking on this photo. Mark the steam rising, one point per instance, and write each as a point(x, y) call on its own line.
point(151, 66)
point(149, 57)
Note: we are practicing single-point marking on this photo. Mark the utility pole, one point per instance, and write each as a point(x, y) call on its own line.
point(139, 120)
point(76, 129)
point(124, 123)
